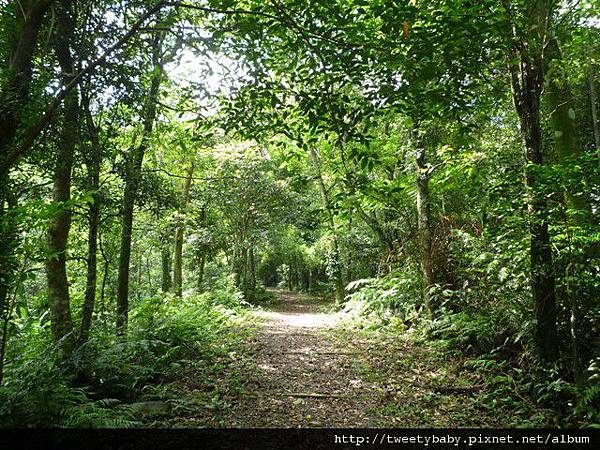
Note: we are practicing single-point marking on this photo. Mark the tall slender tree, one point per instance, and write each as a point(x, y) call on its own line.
point(133, 175)
point(336, 257)
point(530, 26)
point(60, 224)
point(93, 162)
point(178, 258)
point(14, 96)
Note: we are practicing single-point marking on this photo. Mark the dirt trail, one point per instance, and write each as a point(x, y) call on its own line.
point(301, 368)
point(302, 377)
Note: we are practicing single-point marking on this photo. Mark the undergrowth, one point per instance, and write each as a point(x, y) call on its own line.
point(493, 344)
point(105, 381)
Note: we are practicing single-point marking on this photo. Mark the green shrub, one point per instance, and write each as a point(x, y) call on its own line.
point(40, 391)
point(376, 302)
point(92, 388)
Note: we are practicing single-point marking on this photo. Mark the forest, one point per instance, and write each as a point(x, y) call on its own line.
point(299, 213)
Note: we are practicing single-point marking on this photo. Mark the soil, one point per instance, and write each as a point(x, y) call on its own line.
point(303, 377)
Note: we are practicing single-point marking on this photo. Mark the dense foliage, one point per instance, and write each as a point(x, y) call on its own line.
point(430, 166)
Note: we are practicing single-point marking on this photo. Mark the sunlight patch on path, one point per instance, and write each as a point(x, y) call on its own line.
point(297, 320)
point(296, 311)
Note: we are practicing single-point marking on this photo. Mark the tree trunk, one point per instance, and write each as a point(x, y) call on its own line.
point(103, 284)
point(575, 321)
point(6, 318)
point(201, 265)
point(8, 259)
point(566, 131)
point(243, 267)
point(337, 269)
point(424, 220)
point(592, 84)
point(527, 79)
point(178, 263)
point(236, 267)
point(251, 270)
point(138, 277)
point(7, 272)
point(93, 164)
point(60, 224)
point(579, 211)
point(131, 187)
point(165, 256)
point(13, 98)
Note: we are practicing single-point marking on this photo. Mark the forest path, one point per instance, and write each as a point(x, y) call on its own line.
point(302, 377)
point(302, 367)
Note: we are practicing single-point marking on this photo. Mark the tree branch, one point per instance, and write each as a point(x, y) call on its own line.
point(34, 131)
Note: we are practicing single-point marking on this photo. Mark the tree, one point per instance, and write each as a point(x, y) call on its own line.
point(337, 268)
point(93, 162)
point(134, 166)
point(178, 258)
point(58, 232)
point(14, 96)
point(526, 53)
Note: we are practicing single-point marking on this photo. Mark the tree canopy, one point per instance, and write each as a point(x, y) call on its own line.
point(429, 167)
